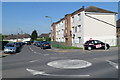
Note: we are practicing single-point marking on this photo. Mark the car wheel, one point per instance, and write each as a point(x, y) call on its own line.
point(85, 48)
point(41, 47)
point(106, 47)
point(89, 48)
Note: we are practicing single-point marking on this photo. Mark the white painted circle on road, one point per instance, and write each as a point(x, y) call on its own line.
point(69, 64)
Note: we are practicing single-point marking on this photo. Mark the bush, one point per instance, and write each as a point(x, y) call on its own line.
point(41, 39)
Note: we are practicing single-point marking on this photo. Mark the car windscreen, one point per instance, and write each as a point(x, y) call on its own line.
point(9, 45)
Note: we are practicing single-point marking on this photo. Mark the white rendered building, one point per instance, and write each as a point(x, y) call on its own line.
point(84, 24)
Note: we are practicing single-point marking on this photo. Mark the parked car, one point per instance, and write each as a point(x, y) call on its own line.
point(10, 48)
point(95, 44)
point(38, 44)
point(21, 44)
point(35, 42)
point(17, 44)
point(27, 42)
point(45, 45)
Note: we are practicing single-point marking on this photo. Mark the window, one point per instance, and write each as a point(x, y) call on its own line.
point(73, 40)
point(59, 31)
point(62, 39)
point(75, 29)
point(78, 17)
point(79, 38)
point(97, 42)
point(62, 31)
point(79, 28)
point(72, 19)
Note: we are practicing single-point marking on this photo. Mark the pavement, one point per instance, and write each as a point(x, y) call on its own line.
point(33, 62)
point(2, 54)
point(79, 50)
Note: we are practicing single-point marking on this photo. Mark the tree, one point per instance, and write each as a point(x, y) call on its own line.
point(1, 37)
point(34, 35)
point(48, 39)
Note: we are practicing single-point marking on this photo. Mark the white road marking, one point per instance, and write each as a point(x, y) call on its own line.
point(35, 52)
point(35, 72)
point(69, 64)
point(113, 64)
point(95, 58)
point(46, 54)
point(33, 61)
point(32, 50)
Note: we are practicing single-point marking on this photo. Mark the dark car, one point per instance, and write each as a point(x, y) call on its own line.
point(45, 45)
point(95, 44)
point(35, 42)
point(38, 44)
point(21, 44)
point(27, 42)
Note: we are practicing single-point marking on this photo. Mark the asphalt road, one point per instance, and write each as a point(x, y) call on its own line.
point(32, 62)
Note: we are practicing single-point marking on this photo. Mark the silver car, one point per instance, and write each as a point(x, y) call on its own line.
point(10, 48)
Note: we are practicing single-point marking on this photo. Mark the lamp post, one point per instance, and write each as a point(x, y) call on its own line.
point(50, 24)
point(50, 18)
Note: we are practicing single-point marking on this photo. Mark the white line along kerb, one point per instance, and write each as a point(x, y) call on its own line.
point(35, 72)
point(113, 64)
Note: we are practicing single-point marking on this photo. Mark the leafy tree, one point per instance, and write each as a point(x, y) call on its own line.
point(1, 37)
point(41, 39)
point(34, 35)
point(48, 39)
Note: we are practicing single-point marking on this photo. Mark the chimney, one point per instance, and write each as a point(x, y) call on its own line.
point(83, 7)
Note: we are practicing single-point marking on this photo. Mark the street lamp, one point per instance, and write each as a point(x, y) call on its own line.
point(50, 24)
point(50, 18)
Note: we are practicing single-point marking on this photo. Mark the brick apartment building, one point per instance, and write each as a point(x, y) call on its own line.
point(84, 24)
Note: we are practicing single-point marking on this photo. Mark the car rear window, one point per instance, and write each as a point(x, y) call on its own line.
point(89, 42)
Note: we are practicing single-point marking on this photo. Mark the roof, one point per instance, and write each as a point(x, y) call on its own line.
point(24, 36)
point(44, 35)
point(76, 12)
point(118, 23)
point(96, 9)
point(20, 36)
point(89, 9)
